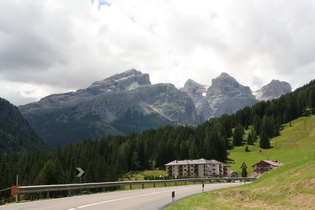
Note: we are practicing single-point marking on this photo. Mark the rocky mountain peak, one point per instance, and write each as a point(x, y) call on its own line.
point(224, 96)
point(195, 90)
point(227, 85)
point(272, 90)
point(127, 80)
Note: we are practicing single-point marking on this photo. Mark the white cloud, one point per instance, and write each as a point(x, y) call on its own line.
point(53, 45)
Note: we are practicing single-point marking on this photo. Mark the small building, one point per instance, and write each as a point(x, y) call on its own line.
point(197, 168)
point(264, 166)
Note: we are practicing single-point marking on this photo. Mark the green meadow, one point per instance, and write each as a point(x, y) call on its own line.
point(291, 186)
point(295, 141)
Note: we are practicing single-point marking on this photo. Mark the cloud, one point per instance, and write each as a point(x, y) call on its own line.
point(55, 46)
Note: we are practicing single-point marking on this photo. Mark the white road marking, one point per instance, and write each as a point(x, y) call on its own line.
point(119, 199)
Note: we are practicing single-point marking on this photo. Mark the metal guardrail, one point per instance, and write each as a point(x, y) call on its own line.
point(5, 189)
point(17, 190)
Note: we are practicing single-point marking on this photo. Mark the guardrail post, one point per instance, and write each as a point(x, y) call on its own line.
point(69, 193)
point(175, 183)
point(15, 191)
point(131, 187)
point(142, 186)
point(47, 194)
point(164, 184)
point(153, 185)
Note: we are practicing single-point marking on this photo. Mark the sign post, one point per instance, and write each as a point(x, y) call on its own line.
point(81, 172)
point(17, 198)
point(244, 172)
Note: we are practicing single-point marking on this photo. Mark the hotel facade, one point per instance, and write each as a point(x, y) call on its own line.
point(201, 168)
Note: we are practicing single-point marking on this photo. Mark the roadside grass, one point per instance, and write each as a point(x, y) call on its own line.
point(291, 186)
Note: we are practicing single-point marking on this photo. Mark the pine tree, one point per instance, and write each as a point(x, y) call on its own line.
point(238, 135)
point(250, 139)
point(264, 141)
point(246, 148)
point(193, 150)
point(267, 126)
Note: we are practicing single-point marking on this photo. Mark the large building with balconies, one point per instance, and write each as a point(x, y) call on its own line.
point(197, 168)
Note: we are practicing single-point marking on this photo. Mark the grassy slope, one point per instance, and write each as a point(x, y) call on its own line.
point(289, 187)
point(292, 142)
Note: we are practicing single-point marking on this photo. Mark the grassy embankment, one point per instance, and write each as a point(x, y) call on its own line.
point(291, 186)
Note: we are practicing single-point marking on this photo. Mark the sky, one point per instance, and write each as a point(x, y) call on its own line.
point(57, 46)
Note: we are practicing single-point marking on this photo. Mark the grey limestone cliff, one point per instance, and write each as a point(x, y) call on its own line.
point(121, 104)
point(224, 96)
point(272, 90)
point(227, 96)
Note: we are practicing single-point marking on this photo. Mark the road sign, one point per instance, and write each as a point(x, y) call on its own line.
point(81, 172)
point(243, 165)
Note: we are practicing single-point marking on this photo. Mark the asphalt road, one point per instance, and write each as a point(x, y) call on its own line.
point(146, 199)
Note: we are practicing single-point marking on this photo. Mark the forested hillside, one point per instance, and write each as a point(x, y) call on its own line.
point(16, 134)
point(109, 158)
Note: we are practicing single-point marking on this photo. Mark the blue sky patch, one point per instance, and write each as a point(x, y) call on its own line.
point(101, 3)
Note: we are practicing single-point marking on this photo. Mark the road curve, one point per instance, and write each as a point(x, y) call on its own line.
point(146, 199)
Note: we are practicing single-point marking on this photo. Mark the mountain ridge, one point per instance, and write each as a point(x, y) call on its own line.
point(225, 95)
point(127, 102)
point(122, 104)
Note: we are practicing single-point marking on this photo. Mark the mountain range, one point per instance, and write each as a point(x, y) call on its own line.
point(226, 95)
point(127, 103)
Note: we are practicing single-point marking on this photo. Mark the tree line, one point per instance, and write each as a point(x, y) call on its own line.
point(109, 158)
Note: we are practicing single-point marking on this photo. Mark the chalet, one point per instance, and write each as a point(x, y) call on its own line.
point(264, 166)
point(197, 168)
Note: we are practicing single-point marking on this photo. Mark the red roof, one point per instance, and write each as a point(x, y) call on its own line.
point(270, 162)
